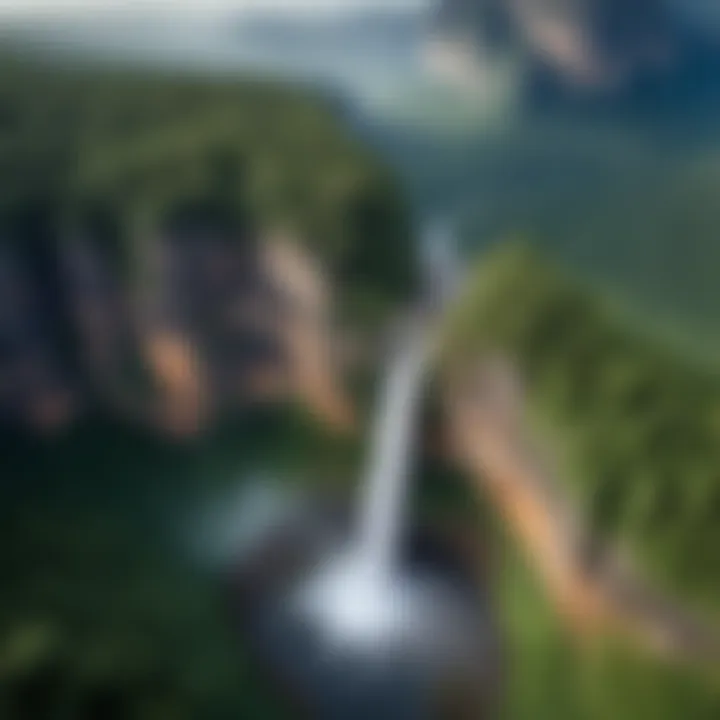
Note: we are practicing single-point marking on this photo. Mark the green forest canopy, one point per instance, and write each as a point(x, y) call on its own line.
point(638, 425)
point(122, 153)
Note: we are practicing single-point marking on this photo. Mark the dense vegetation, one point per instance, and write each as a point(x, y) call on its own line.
point(123, 154)
point(634, 428)
point(107, 608)
point(637, 422)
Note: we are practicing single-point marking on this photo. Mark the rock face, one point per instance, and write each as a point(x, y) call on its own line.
point(212, 325)
point(138, 270)
point(33, 384)
point(587, 49)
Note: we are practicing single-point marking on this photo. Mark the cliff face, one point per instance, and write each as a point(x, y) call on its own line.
point(602, 44)
point(588, 49)
point(34, 387)
point(214, 326)
point(140, 273)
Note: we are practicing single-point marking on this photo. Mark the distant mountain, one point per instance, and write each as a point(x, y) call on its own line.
point(592, 50)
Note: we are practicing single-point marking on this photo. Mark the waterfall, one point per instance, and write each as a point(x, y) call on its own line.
point(361, 597)
point(439, 263)
point(383, 498)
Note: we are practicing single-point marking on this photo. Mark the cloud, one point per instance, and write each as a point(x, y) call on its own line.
point(20, 8)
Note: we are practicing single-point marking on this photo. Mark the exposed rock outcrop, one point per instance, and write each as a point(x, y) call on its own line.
point(213, 324)
point(308, 338)
point(593, 590)
point(587, 50)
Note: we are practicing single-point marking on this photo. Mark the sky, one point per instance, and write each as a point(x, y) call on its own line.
point(25, 8)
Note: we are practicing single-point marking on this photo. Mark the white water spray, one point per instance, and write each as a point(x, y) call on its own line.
point(383, 499)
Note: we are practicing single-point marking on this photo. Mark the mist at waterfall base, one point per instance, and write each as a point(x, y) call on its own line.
point(359, 600)
point(348, 637)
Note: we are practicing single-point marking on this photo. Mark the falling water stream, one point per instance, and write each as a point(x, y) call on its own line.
point(383, 504)
point(360, 598)
point(383, 497)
